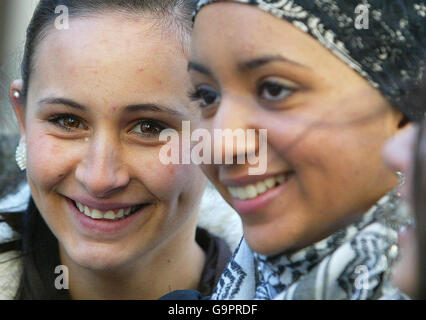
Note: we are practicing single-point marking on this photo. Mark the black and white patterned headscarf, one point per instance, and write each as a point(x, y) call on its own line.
point(354, 263)
point(389, 51)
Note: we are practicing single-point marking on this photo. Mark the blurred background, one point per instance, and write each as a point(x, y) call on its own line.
point(14, 18)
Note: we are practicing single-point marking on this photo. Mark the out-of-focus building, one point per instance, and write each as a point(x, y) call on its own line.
point(14, 18)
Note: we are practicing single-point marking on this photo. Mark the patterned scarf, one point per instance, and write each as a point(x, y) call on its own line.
point(353, 263)
point(389, 51)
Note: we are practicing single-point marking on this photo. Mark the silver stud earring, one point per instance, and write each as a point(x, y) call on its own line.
point(16, 94)
point(21, 155)
point(401, 178)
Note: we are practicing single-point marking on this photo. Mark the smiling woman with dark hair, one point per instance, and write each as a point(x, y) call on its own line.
point(91, 104)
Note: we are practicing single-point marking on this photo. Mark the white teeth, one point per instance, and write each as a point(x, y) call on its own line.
point(110, 215)
point(241, 193)
point(233, 192)
point(270, 182)
point(261, 187)
point(120, 213)
point(98, 214)
point(281, 178)
point(253, 190)
point(87, 212)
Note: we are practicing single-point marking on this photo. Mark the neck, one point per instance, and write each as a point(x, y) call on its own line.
point(174, 265)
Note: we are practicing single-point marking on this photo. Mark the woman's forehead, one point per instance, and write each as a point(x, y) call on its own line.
point(86, 61)
point(272, 37)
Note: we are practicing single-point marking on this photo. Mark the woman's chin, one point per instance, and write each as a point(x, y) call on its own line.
point(259, 239)
point(97, 258)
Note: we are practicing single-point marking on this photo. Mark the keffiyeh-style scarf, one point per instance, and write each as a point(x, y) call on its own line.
point(353, 263)
point(389, 51)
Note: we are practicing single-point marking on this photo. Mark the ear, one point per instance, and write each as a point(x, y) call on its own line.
point(17, 99)
point(403, 122)
point(399, 121)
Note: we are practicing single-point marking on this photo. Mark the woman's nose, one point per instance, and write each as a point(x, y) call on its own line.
point(235, 133)
point(103, 171)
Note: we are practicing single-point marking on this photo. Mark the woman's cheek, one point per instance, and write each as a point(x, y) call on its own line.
point(210, 171)
point(49, 159)
point(161, 180)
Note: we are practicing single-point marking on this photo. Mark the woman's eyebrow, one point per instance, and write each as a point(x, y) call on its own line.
point(152, 107)
point(63, 101)
point(200, 68)
point(251, 64)
point(246, 66)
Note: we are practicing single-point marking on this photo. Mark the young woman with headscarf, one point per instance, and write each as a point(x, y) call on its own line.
point(321, 223)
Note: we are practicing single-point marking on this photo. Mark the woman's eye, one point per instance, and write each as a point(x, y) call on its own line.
point(273, 91)
point(148, 128)
point(67, 122)
point(206, 95)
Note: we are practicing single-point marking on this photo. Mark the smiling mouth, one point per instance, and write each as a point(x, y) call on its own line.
point(252, 191)
point(111, 215)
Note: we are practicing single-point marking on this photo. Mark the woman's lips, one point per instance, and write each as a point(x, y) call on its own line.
point(253, 197)
point(104, 224)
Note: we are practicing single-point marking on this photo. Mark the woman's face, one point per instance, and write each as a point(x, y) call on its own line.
point(99, 95)
point(325, 126)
